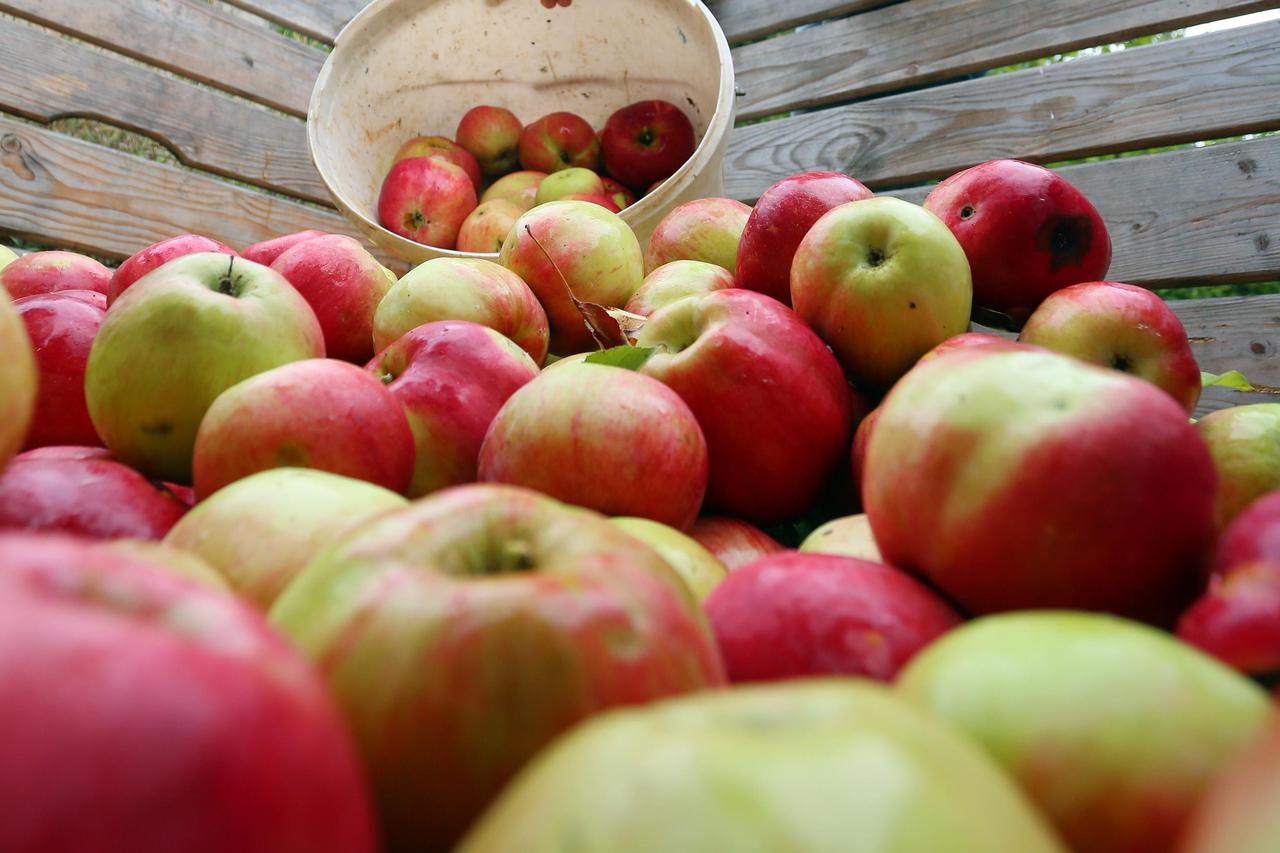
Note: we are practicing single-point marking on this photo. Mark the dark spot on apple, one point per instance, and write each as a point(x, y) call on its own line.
point(966, 212)
point(912, 305)
point(1120, 361)
point(1060, 405)
point(160, 428)
point(1066, 238)
point(291, 455)
point(413, 221)
point(875, 257)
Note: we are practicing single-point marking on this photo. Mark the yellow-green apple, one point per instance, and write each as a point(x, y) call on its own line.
point(61, 326)
point(696, 566)
point(848, 536)
point(519, 188)
point(462, 634)
point(1245, 443)
point(778, 222)
point(1240, 812)
point(486, 228)
point(571, 181)
point(426, 200)
point(568, 249)
point(795, 615)
point(97, 498)
point(492, 136)
point(49, 272)
point(185, 722)
point(176, 340)
point(1114, 729)
point(157, 255)
point(471, 289)
point(604, 438)
point(622, 196)
point(1119, 326)
point(676, 280)
point(733, 541)
point(7, 256)
point(1026, 231)
point(1017, 479)
point(557, 141)
point(451, 377)
point(647, 141)
point(601, 199)
point(768, 394)
point(343, 284)
point(820, 765)
point(706, 229)
point(441, 148)
point(258, 533)
point(883, 282)
point(168, 558)
point(17, 381)
point(317, 413)
point(267, 251)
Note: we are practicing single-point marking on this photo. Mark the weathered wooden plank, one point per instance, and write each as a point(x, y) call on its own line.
point(1206, 87)
point(747, 19)
point(46, 76)
point(1235, 333)
point(318, 19)
point(882, 50)
point(191, 38)
point(1213, 399)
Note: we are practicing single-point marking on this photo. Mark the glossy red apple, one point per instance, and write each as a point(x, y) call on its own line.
point(426, 200)
point(622, 196)
point(646, 142)
point(734, 542)
point(441, 148)
point(492, 135)
point(1253, 535)
point(970, 339)
point(157, 255)
point(267, 251)
point(558, 141)
point(48, 272)
point(601, 199)
point(486, 228)
point(706, 229)
point(62, 327)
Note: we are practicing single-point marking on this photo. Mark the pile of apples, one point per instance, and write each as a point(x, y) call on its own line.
point(299, 556)
point(466, 193)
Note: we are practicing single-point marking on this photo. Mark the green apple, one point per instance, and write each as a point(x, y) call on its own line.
point(1245, 444)
point(1113, 728)
point(176, 339)
point(7, 255)
point(850, 536)
point(168, 558)
point(696, 566)
point(17, 380)
point(674, 281)
point(569, 181)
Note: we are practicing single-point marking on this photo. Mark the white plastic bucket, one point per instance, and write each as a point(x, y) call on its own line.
point(403, 68)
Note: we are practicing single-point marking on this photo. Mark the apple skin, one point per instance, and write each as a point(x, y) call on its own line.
point(175, 341)
point(1119, 326)
point(317, 413)
point(849, 536)
point(595, 251)
point(733, 541)
point(696, 566)
point(1112, 728)
point(267, 251)
point(676, 280)
point(49, 272)
point(1245, 443)
point(604, 438)
point(343, 284)
point(1241, 810)
point(492, 136)
point(451, 377)
point(61, 330)
point(569, 181)
point(7, 256)
point(426, 200)
point(622, 196)
point(441, 148)
point(167, 558)
point(821, 765)
point(486, 228)
point(778, 222)
point(558, 141)
point(595, 198)
point(883, 282)
point(259, 532)
point(1026, 231)
point(519, 188)
point(858, 453)
point(157, 255)
point(1253, 535)
point(706, 229)
point(770, 398)
point(480, 576)
point(647, 141)
point(96, 498)
point(470, 289)
point(188, 725)
point(1017, 479)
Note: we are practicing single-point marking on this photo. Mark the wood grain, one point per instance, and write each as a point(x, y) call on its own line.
point(882, 50)
point(1235, 333)
point(191, 38)
point(319, 19)
point(1213, 399)
point(47, 76)
point(747, 19)
point(1206, 87)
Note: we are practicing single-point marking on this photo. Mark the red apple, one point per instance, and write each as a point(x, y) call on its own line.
point(1253, 535)
point(426, 200)
point(492, 135)
point(267, 251)
point(441, 148)
point(145, 711)
point(486, 228)
point(604, 201)
point(676, 280)
point(519, 188)
point(1026, 231)
point(318, 413)
point(49, 272)
point(707, 229)
point(65, 451)
point(861, 437)
point(971, 339)
point(62, 328)
point(733, 541)
point(1245, 444)
point(604, 438)
point(558, 141)
point(157, 255)
point(622, 196)
point(778, 222)
point(647, 142)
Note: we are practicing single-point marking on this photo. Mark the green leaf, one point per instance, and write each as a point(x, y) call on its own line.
point(1230, 379)
point(631, 358)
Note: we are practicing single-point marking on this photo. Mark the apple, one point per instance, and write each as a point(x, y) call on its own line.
point(166, 558)
point(61, 329)
point(768, 394)
point(778, 222)
point(451, 378)
point(470, 289)
point(733, 541)
point(858, 452)
point(178, 339)
point(973, 339)
point(567, 249)
point(486, 228)
point(573, 180)
point(821, 765)
point(97, 498)
point(558, 141)
point(1240, 812)
point(674, 281)
point(1245, 443)
point(519, 188)
point(65, 451)
point(696, 566)
point(1026, 231)
point(706, 229)
point(267, 251)
point(462, 634)
point(49, 272)
point(157, 255)
point(7, 256)
point(883, 282)
point(259, 532)
point(622, 196)
point(426, 200)
point(492, 136)
point(1253, 535)
point(1016, 479)
point(441, 148)
point(146, 711)
point(18, 377)
point(1119, 326)
point(848, 536)
point(646, 142)
point(317, 413)
point(595, 198)
point(1112, 728)
point(343, 284)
